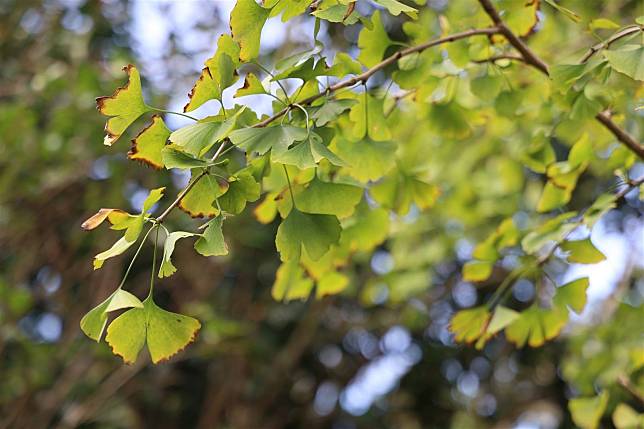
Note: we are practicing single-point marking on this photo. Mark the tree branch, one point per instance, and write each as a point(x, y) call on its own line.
point(343, 84)
point(606, 43)
point(533, 60)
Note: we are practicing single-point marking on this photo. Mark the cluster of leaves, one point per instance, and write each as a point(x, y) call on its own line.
point(332, 164)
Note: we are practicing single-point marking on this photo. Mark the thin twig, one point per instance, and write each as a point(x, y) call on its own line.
point(606, 43)
point(533, 60)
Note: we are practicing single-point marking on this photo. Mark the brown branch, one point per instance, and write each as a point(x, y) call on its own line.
point(533, 60)
point(496, 58)
point(606, 43)
point(628, 385)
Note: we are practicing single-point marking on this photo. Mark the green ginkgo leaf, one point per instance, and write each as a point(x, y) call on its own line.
point(329, 198)
point(501, 318)
point(167, 268)
point(582, 251)
point(166, 333)
point(261, 140)
point(331, 110)
point(153, 197)
point(252, 86)
point(368, 159)
point(315, 232)
point(117, 248)
point(373, 42)
point(174, 157)
point(369, 119)
point(291, 282)
point(199, 201)
point(587, 412)
point(331, 283)
point(366, 229)
point(572, 294)
point(123, 107)
point(93, 323)
point(468, 325)
point(211, 242)
point(242, 188)
point(196, 139)
point(218, 74)
point(307, 154)
point(148, 144)
point(536, 325)
point(246, 22)
point(396, 8)
point(628, 59)
point(552, 230)
point(477, 271)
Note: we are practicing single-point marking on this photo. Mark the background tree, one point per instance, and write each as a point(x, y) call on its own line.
point(448, 168)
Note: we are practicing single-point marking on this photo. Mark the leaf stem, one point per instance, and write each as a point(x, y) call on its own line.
point(290, 188)
point(174, 113)
point(154, 262)
point(138, 250)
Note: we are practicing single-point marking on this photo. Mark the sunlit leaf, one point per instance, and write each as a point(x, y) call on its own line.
point(587, 412)
point(368, 159)
point(246, 22)
point(468, 325)
point(261, 140)
point(536, 325)
point(329, 198)
point(147, 145)
point(628, 59)
point(167, 268)
point(373, 42)
point(242, 188)
point(123, 107)
point(93, 323)
point(211, 242)
point(307, 154)
point(291, 282)
point(199, 201)
point(396, 8)
point(174, 157)
point(316, 232)
point(582, 251)
point(572, 294)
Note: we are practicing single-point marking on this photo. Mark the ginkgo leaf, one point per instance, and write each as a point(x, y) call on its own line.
point(331, 110)
point(291, 282)
point(147, 145)
point(344, 13)
point(112, 215)
point(372, 122)
point(398, 191)
point(501, 318)
point(477, 271)
point(196, 139)
point(117, 248)
point(329, 198)
point(218, 74)
point(344, 64)
point(468, 325)
point(587, 412)
point(199, 201)
point(166, 333)
point(366, 229)
point(625, 417)
point(628, 59)
point(252, 86)
point(123, 107)
point(331, 283)
point(553, 197)
point(368, 159)
point(599, 208)
point(153, 197)
point(307, 153)
point(242, 188)
point(536, 325)
point(246, 22)
point(552, 230)
point(93, 323)
point(126, 334)
point(582, 251)
point(211, 242)
point(396, 8)
point(373, 42)
point(174, 157)
point(261, 140)
point(288, 9)
point(167, 268)
point(316, 232)
point(572, 294)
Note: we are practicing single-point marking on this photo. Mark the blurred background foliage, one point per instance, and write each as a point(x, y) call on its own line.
point(377, 356)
